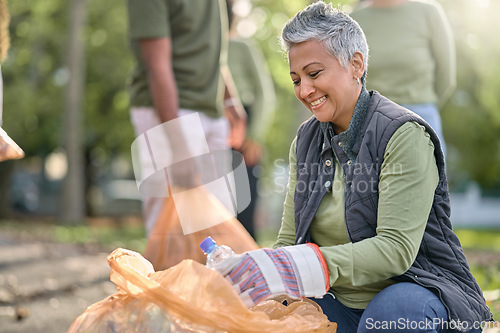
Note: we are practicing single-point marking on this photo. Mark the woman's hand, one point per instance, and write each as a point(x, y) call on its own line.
point(297, 271)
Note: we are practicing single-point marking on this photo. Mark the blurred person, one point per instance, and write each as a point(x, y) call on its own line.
point(366, 230)
point(8, 148)
point(182, 157)
point(412, 54)
point(256, 90)
point(180, 48)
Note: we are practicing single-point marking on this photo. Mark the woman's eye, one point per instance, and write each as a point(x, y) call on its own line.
point(296, 82)
point(314, 74)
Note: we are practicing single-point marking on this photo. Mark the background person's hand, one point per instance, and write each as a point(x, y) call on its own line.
point(252, 152)
point(237, 126)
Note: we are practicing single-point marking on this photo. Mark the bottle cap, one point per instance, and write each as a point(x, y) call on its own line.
point(208, 244)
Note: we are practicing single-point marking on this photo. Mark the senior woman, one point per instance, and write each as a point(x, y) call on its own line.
point(366, 230)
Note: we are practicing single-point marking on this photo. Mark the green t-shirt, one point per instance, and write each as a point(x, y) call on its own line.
point(412, 52)
point(196, 29)
point(408, 179)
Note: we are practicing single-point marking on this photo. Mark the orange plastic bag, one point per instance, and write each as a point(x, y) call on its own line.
point(168, 245)
point(188, 297)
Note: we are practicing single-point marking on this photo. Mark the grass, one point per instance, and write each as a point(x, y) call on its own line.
point(108, 234)
point(482, 248)
point(479, 239)
point(129, 237)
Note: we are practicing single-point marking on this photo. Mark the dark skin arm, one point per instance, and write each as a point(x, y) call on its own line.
point(157, 56)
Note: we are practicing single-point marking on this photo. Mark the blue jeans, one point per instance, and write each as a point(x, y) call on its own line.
point(401, 307)
point(430, 113)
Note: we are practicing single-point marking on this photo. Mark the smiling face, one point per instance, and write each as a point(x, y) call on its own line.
point(327, 89)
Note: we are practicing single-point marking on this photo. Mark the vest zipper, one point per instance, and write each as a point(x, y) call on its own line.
point(345, 195)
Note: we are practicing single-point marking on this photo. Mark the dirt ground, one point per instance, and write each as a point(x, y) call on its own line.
point(44, 286)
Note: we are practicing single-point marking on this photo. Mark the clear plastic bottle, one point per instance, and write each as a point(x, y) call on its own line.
point(215, 253)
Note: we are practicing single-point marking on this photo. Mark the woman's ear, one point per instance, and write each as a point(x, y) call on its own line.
point(358, 65)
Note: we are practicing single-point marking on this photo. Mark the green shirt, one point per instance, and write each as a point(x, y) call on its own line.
point(412, 52)
point(408, 179)
point(196, 29)
point(254, 85)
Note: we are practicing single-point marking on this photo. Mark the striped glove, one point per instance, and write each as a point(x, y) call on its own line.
point(297, 271)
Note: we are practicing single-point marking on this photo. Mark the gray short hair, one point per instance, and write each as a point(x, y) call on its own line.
point(341, 35)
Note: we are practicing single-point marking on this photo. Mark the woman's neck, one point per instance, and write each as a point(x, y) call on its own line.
point(342, 125)
point(387, 3)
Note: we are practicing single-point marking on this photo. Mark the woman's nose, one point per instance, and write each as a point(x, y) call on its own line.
point(306, 89)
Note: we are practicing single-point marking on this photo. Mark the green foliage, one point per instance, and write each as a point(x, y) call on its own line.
point(32, 100)
point(471, 120)
point(109, 63)
point(35, 76)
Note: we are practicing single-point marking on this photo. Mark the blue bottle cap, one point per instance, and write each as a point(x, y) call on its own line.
point(208, 244)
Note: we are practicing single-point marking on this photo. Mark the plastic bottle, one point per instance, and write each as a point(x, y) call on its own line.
point(215, 253)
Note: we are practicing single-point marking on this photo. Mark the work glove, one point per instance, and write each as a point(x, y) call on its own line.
point(297, 271)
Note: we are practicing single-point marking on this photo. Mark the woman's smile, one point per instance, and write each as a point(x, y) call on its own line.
point(318, 103)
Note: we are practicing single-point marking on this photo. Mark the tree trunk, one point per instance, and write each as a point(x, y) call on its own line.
point(6, 169)
point(73, 191)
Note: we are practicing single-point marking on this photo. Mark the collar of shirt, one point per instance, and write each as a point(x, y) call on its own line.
point(348, 137)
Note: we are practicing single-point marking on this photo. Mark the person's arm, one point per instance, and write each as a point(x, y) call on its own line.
point(408, 180)
point(443, 50)
point(234, 111)
point(157, 57)
point(149, 27)
point(286, 235)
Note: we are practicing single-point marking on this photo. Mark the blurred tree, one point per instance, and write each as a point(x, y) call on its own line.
point(35, 79)
point(73, 193)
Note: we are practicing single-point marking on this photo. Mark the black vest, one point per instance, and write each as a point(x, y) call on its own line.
point(440, 264)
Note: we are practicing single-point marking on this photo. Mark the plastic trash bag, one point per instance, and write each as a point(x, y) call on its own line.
point(188, 297)
point(168, 245)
